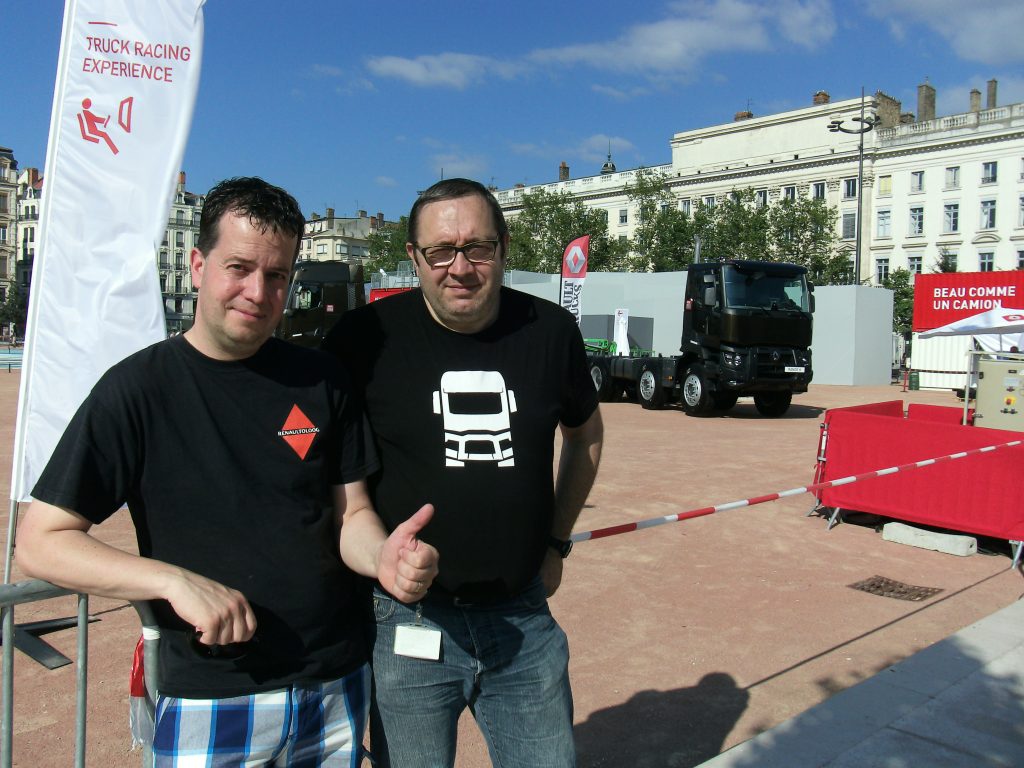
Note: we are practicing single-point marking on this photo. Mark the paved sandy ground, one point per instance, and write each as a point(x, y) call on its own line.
point(686, 638)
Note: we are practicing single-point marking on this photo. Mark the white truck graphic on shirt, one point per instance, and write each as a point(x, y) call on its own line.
point(476, 407)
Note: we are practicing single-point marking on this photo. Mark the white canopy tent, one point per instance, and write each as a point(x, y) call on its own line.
point(996, 330)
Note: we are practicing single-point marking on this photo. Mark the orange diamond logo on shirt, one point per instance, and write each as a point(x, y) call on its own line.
point(298, 431)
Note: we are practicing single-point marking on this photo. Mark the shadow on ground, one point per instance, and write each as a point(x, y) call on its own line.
point(679, 728)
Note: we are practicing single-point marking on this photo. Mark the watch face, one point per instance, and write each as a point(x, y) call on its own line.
point(563, 548)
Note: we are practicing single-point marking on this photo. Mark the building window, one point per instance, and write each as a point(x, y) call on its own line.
point(179, 239)
point(195, 218)
point(917, 181)
point(951, 260)
point(818, 190)
point(195, 239)
point(664, 207)
point(917, 220)
point(989, 172)
point(849, 225)
point(3, 233)
point(761, 198)
point(164, 263)
point(885, 223)
point(988, 214)
point(951, 217)
point(789, 193)
point(849, 188)
point(179, 217)
point(623, 216)
point(881, 270)
point(953, 177)
point(321, 248)
point(177, 283)
point(986, 261)
point(914, 264)
point(709, 202)
point(1020, 259)
point(179, 259)
point(1020, 212)
point(884, 186)
point(684, 206)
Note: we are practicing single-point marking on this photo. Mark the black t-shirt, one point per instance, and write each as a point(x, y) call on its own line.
point(466, 422)
point(226, 468)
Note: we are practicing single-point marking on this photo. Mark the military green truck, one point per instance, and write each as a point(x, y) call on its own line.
point(746, 331)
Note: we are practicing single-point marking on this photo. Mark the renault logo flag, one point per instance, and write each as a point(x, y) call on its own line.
point(574, 272)
point(127, 77)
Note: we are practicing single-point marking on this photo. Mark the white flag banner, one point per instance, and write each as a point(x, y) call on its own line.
point(127, 78)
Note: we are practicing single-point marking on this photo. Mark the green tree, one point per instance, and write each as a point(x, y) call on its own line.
point(14, 309)
point(946, 262)
point(387, 245)
point(548, 222)
point(663, 238)
point(803, 231)
point(899, 282)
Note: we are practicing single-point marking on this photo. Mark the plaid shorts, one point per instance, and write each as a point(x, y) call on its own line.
point(299, 726)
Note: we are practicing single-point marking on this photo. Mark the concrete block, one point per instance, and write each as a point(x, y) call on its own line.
point(949, 543)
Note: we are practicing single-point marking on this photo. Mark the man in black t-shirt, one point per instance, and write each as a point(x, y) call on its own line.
point(465, 384)
point(242, 461)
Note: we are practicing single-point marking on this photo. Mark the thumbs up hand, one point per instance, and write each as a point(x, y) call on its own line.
point(407, 566)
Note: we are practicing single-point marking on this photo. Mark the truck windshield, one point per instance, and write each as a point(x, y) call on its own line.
point(757, 289)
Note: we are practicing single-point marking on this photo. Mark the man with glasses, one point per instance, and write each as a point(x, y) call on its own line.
point(465, 383)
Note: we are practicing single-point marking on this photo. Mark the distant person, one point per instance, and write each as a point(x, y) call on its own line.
point(241, 459)
point(465, 384)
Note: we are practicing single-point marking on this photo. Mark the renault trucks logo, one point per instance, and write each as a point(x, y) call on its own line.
point(575, 260)
point(298, 431)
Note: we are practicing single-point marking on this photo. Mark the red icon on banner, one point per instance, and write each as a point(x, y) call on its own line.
point(93, 127)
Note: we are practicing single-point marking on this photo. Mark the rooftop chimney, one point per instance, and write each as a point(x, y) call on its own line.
point(745, 114)
point(925, 102)
point(330, 214)
point(380, 219)
point(181, 174)
point(990, 101)
point(362, 214)
point(975, 100)
point(563, 171)
point(821, 97)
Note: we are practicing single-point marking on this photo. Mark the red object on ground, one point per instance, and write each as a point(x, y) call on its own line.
point(980, 494)
point(382, 293)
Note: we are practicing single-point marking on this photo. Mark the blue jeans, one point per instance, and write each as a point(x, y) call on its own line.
point(508, 662)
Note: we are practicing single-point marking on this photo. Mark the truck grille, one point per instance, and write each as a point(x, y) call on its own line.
point(772, 362)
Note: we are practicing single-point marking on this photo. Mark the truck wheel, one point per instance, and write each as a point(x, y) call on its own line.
point(602, 381)
point(649, 391)
point(772, 404)
point(724, 400)
point(696, 397)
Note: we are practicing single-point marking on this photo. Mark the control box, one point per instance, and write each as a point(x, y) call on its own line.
point(1000, 396)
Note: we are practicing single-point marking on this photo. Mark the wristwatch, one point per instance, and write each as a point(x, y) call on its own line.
point(562, 547)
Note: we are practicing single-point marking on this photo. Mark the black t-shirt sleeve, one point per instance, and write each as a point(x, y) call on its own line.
point(358, 457)
point(580, 398)
point(98, 458)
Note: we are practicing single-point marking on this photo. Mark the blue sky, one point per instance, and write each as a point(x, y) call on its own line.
point(360, 104)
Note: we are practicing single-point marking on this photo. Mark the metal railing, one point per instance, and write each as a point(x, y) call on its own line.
point(30, 591)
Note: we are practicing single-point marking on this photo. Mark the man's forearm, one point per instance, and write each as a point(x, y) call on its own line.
point(577, 469)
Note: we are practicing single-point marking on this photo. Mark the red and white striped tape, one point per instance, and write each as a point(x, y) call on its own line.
point(615, 530)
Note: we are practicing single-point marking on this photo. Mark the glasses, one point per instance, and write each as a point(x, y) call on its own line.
point(479, 252)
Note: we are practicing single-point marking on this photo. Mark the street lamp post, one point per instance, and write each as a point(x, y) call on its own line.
point(864, 125)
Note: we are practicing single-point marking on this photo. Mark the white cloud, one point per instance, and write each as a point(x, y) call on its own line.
point(988, 32)
point(591, 149)
point(448, 70)
point(672, 47)
point(954, 98)
point(385, 181)
point(328, 70)
point(451, 164)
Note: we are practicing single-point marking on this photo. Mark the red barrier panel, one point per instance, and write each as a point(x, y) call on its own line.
point(980, 494)
point(945, 414)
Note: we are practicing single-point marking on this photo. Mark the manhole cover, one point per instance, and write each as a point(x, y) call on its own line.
point(879, 585)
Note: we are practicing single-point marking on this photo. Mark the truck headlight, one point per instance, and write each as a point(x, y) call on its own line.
point(732, 359)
